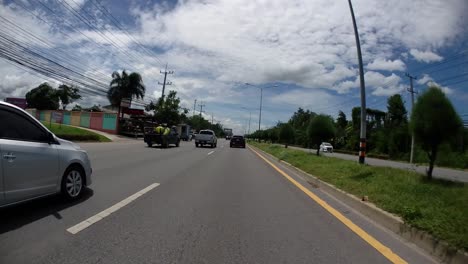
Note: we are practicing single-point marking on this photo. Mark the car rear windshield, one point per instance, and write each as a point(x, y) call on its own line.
point(238, 137)
point(206, 132)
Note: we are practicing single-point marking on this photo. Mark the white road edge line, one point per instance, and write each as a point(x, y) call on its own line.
point(98, 217)
point(211, 152)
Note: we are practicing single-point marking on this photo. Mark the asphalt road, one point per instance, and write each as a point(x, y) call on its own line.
point(211, 206)
point(440, 173)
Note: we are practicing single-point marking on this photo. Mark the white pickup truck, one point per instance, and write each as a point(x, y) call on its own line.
point(206, 137)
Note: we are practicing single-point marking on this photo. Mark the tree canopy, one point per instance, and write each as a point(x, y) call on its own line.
point(125, 86)
point(320, 129)
point(433, 121)
point(43, 97)
point(168, 109)
point(286, 134)
point(67, 95)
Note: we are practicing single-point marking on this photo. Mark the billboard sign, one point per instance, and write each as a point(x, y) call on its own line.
point(20, 102)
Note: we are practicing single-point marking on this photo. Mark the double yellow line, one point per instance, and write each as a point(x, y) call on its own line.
point(382, 249)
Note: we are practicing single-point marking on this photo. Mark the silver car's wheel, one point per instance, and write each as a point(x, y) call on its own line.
point(72, 184)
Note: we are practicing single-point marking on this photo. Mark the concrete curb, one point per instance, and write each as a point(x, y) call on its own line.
point(440, 249)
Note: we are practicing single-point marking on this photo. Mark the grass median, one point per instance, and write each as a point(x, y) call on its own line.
point(438, 207)
point(74, 133)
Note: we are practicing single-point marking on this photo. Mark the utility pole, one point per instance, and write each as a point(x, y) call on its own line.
point(250, 117)
point(201, 108)
point(362, 141)
point(260, 116)
point(411, 90)
point(165, 72)
point(194, 106)
point(211, 118)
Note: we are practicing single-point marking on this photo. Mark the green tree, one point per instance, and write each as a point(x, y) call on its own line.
point(43, 97)
point(320, 129)
point(168, 110)
point(67, 95)
point(396, 111)
point(77, 108)
point(94, 108)
point(395, 139)
point(433, 121)
point(299, 121)
point(125, 86)
point(341, 124)
point(286, 134)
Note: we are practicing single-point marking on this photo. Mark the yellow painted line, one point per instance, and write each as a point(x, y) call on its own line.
point(388, 253)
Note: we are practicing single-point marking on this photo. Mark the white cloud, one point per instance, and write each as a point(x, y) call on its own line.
point(290, 41)
point(425, 56)
point(425, 79)
point(380, 84)
point(387, 65)
point(383, 85)
point(307, 99)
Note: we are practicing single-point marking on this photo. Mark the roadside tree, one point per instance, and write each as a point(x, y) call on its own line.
point(125, 86)
point(286, 134)
point(67, 95)
point(43, 97)
point(320, 129)
point(433, 121)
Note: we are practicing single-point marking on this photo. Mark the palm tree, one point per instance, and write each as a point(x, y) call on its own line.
point(125, 86)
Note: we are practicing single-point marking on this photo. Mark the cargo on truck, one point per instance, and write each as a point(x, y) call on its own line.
point(162, 137)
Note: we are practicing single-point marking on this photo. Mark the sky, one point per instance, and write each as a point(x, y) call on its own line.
point(300, 53)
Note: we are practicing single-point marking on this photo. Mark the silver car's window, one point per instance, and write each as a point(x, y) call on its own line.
point(17, 127)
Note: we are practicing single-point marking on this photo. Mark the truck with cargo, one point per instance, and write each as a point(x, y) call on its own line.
point(151, 137)
point(184, 131)
point(228, 133)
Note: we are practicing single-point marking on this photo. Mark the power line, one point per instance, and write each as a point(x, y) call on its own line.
point(120, 26)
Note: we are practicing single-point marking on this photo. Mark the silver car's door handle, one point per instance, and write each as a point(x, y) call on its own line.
point(9, 156)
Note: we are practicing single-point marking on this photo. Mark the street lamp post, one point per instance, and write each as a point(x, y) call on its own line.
point(260, 116)
point(261, 103)
point(362, 141)
point(250, 117)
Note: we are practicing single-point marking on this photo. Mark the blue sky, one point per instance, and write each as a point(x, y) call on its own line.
point(301, 52)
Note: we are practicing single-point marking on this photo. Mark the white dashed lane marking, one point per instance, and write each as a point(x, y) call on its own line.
point(98, 217)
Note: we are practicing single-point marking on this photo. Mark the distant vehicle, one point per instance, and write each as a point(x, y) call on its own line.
point(206, 137)
point(152, 138)
point(237, 141)
point(184, 132)
point(35, 162)
point(228, 133)
point(326, 147)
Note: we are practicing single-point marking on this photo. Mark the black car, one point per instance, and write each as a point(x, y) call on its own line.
point(237, 141)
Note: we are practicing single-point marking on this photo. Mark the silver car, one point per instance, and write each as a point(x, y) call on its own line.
point(326, 147)
point(34, 162)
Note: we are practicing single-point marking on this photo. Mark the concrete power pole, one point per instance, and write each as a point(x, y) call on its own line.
point(411, 90)
point(362, 141)
point(194, 106)
point(164, 83)
point(201, 108)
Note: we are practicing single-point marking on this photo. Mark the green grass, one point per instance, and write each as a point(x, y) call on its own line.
point(438, 207)
point(75, 134)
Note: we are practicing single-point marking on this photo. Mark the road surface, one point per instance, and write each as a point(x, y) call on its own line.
point(440, 173)
point(194, 205)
